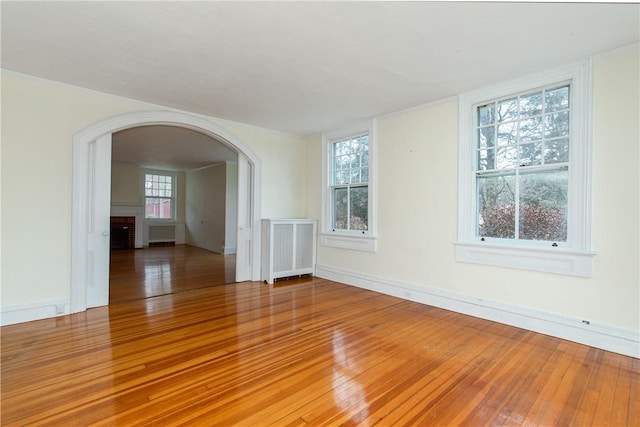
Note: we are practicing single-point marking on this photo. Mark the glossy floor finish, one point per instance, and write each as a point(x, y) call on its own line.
point(154, 271)
point(310, 352)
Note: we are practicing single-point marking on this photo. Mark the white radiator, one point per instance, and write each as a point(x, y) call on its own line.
point(162, 233)
point(174, 232)
point(288, 248)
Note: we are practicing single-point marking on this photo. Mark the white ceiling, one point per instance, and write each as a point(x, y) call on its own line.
point(168, 147)
point(302, 67)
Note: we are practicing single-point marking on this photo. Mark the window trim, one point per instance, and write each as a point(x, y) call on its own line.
point(572, 258)
point(172, 174)
point(349, 239)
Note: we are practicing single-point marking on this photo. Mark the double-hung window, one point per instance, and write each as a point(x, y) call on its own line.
point(525, 173)
point(159, 195)
point(348, 199)
point(522, 166)
point(350, 184)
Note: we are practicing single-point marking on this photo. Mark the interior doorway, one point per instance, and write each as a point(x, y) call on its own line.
point(91, 201)
point(176, 189)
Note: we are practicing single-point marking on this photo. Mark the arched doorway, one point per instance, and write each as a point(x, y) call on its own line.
point(90, 212)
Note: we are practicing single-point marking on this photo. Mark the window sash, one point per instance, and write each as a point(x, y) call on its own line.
point(349, 175)
point(515, 137)
point(349, 214)
point(159, 191)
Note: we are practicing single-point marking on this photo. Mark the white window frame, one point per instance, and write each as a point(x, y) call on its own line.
point(172, 174)
point(573, 257)
point(349, 239)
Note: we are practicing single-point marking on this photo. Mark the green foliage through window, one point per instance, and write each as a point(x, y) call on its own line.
point(349, 182)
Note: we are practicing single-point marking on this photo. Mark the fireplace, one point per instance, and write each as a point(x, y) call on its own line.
point(123, 232)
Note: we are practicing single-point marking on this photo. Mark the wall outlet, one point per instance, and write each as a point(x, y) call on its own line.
point(59, 308)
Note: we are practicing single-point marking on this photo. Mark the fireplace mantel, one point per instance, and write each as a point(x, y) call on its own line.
point(136, 211)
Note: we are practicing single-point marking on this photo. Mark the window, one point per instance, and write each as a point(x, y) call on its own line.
point(348, 200)
point(522, 166)
point(159, 191)
point(525, 173)
point(350, 184)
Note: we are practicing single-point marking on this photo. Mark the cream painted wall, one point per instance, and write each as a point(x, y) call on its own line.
point(417, 209)
point(39, 119)
point(125, 184)
point(205, 207)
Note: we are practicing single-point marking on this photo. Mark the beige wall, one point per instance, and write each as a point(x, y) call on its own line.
point(205, 207)
point(125, 184)
point(417, 213)
point(39, 119)
point(126, 187)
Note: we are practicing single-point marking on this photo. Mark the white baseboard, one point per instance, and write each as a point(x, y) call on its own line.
point(606, 337)
point(38, 311)
point(228, 250)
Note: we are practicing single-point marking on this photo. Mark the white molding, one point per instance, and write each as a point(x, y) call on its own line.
point(345, 241)
point(583, 331)
point(82, 180)
point(228, 250)
point(526, 255)
point(555, 260)
point(29, 312)
point(371, 128)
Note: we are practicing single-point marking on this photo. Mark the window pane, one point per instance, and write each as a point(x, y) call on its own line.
point(486, 160)
point(340, 208)
point(543, 205)
point(486, 137)
point(556, 124)
point(341, 177)
point(365, 175)
point(507, 133)
point(355, 176)
point(530, 154)
point(531, 104)
point(557, 99)
point(508, 109)
point(158, 208)
point(486, 114)
point(530, 130)
point(359, 208)
point(365, 158)
point(556, 151)
point(506, 157)
point(496, 206)
point(354, 160)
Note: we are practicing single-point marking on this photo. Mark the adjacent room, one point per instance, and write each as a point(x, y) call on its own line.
point(320, 213)
point(173, 212)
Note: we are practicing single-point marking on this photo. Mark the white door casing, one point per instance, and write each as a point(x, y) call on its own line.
point(243, 241)
point(91, 193)
point(99, 227)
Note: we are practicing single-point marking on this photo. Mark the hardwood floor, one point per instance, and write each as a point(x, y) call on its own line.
point(309, 352)
point(154, 271)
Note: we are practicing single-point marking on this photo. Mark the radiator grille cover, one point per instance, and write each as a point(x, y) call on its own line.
point(162, 233)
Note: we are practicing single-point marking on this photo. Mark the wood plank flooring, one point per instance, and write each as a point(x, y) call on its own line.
point(305, 353)
point(150, 272)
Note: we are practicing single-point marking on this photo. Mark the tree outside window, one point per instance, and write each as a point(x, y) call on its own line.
point(350, 183)
point(522, 166)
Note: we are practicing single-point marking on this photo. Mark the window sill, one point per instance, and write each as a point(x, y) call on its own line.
point(556, 260)
point(347, 241)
